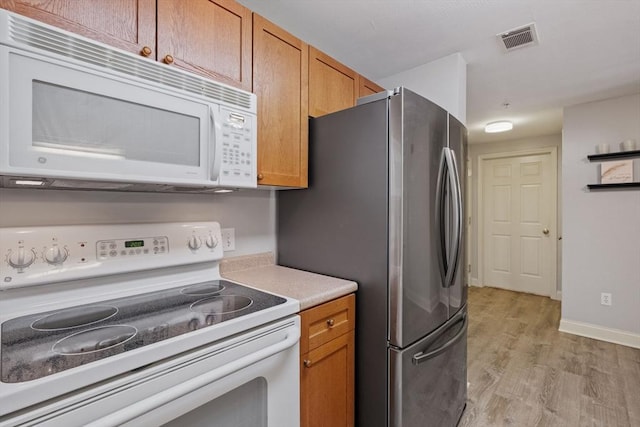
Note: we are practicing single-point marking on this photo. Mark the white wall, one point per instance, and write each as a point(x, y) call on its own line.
point(250, 212)
point(443, 81)
point(601, 228)
point(525, 144)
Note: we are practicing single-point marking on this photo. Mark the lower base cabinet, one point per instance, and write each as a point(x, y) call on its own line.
point(327, 347)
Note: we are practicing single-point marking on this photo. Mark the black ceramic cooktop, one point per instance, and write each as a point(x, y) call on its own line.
point(42, 344)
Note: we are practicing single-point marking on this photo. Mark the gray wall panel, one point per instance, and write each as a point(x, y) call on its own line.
point(338, 227)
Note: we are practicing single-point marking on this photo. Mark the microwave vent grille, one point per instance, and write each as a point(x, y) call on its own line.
point(31, 33)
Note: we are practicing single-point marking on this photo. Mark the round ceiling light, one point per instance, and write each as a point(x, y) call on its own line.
point(500, 126)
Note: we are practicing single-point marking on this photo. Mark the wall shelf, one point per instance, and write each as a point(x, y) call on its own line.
point(613, 156)
point(621, 186)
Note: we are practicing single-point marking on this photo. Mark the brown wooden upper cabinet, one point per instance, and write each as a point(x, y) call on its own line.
point(280, 80)
point(208, 37)
point(367, 87)
point(126, 24)
point(332, 85)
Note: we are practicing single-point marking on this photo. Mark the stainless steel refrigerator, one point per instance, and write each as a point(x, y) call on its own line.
point(384, 208)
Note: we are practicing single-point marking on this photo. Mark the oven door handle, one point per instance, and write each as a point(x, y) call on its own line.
point(157, 400)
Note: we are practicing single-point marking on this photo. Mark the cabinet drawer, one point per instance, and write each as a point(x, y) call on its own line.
point(325, 322)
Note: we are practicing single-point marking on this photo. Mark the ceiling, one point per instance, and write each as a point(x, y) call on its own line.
point(588, 49)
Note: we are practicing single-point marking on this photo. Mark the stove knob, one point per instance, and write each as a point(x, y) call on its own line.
point(211, 241)
point(55, 256)
point(194, 243)
point(21, 258)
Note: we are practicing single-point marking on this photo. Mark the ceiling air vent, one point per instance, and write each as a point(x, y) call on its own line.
point(519, 37)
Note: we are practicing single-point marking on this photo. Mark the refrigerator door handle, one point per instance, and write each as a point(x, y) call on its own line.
point(441, 248)
point(423, 357)
point(454, 185)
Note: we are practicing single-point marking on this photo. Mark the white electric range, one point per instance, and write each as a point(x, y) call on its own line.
point(133, 325)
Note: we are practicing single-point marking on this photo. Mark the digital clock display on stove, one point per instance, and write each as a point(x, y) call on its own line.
point(134, 243)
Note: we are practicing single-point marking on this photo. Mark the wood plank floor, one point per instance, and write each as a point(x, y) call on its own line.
point(523, 372)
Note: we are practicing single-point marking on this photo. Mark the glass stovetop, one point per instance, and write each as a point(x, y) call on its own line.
point(42, 344)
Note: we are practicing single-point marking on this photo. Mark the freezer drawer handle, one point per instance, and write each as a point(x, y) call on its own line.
point(422, 357)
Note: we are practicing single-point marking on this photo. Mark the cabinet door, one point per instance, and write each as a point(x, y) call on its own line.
point(126, 24)
point(208, 37)
point(332, 85)
point(367, 87)
point(326, 384)
point(280, 80)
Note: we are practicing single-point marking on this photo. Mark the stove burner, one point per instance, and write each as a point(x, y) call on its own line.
point(93, 340)
point(202, 289)
point(222, 304)
point(73, 317)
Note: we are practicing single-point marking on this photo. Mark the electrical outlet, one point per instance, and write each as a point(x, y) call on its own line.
point(605, 298)
point(228, 239)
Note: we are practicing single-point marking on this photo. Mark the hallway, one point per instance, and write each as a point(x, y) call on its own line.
point(523, 372)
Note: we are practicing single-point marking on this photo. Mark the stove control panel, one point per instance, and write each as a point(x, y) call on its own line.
point(40, 255)
point(119, 248)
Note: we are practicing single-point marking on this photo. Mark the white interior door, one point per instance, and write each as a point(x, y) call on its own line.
point(519, 211)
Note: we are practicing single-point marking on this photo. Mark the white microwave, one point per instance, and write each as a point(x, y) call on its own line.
point(78, 114)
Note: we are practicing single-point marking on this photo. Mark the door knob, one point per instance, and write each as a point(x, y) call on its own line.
point(545, 230)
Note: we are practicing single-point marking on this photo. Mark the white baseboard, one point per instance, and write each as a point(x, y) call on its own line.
point(475, 282)
point(589, 330)
point(558, 296)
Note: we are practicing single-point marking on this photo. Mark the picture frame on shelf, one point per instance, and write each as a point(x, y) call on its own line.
point(616, 172)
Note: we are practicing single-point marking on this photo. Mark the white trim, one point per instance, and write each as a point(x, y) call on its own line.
point(475, 282)
point(597, 332)
point(468, 204)
point(557, 296)
point(553, 153)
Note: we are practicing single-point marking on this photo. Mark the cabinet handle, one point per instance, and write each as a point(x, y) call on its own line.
point(307, 363)
point(168, 59)
point(330, 323)
point(260, 177)
point(146, 51)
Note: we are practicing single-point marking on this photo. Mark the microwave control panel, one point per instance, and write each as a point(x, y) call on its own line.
point(239, 142)
point(42, 255)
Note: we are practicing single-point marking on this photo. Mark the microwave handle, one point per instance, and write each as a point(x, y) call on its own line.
point(215, 143)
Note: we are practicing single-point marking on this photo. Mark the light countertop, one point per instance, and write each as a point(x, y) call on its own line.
point(310, 289)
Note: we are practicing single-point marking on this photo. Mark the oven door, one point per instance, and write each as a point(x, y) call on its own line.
point(68, 120)
point(248, 380)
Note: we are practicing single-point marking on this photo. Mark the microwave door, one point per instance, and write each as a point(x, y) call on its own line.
point(71, 122)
